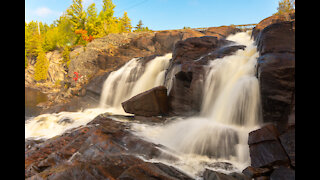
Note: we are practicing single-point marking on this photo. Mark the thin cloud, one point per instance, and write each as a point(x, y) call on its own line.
point(44, 12)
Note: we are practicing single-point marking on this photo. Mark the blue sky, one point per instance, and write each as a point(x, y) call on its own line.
point(166, 14)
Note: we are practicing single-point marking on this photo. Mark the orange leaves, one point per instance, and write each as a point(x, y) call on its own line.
point(84, 35)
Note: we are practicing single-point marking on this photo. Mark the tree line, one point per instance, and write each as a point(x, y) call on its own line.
point(76, 26)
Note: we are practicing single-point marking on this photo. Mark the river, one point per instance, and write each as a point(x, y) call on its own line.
point(32, 98)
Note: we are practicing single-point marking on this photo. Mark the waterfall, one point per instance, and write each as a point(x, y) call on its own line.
point(131, 79)
point(230, 110)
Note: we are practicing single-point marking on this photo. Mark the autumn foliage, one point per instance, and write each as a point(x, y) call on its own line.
point(84, 38)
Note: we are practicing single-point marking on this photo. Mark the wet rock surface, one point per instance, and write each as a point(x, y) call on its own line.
point(271, 152)
point(214, 175)
point(103, 149)
point(272, 147)
point(192, 55)
point(153, 102)
point(276, 71)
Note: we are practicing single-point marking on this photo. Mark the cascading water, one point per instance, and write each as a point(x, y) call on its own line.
point(130, 80)
point(230, 110)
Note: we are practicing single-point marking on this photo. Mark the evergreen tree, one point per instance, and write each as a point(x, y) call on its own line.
point(106, 22)
point(139, 26)
point(41, 66)
point(26, 59)
point(92, 18)
point(77, 15)
point(107, 9)
point(126, 23)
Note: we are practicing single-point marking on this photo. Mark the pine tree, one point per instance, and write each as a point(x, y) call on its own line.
point(140, 28)
point(106, 22)
point(139, 25)
point(107, 9)
point(41, 66)
point(26, 59)
point(77, 15)
point(126, 23)
point(92, 18)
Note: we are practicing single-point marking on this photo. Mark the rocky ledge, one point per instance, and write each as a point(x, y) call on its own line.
point(103, 149)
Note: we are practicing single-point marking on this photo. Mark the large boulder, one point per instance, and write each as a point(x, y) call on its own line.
point(276, 71)
point(265, 149)
point(272, 153)
point(153, 102)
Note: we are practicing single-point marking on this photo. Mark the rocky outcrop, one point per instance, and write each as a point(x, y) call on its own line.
point(272, 147)
point(221, 32)
point(153, 102)
point(271, 20)
point(111, 52)
point(276, 71)
point(103, 149)
point(271, 152)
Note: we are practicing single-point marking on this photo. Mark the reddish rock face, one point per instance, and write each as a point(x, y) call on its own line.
point(103, 149)
point(193, 48)
point(153, 102)
point(222, 31)
point(271, 20)
point(277, 38)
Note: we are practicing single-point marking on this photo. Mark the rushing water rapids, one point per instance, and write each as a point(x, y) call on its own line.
point(230, 110)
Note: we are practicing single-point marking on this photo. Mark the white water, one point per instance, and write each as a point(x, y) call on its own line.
point(230, 110)
point(128, 81)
